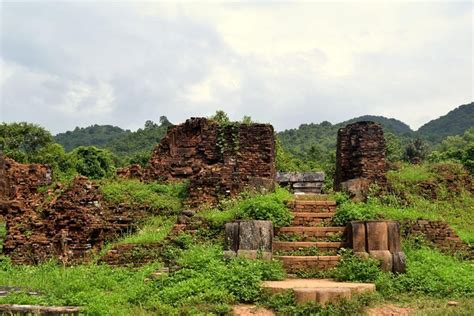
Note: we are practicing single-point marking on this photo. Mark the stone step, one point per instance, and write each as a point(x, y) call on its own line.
point(312, 206)
point(312, 231)
point(312, 219)
point(322, 291)
point(294, 245)
point(312, 197)
point(294, 264)
point(314, 214)
point(313, 202)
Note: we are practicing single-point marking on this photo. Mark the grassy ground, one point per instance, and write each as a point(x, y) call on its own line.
point(433, 192)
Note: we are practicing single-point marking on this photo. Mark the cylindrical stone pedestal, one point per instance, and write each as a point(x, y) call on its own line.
point(249, 239)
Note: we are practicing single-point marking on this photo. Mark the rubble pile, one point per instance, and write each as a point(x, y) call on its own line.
point(64, 223)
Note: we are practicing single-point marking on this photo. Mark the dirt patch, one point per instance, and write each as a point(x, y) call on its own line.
point(389, 310)
point(251, 310)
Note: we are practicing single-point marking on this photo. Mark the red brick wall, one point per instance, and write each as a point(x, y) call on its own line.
point(360, 153)
point(220, 161)
point(440, 234)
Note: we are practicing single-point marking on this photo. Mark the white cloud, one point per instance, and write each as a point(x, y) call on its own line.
point(74, 64)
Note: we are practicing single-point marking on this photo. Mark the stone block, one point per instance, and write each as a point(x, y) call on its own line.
point(362, 254)
point(331, 295)
point(357, 236)
point(305, 295)
point(385, 258)
point(399, 262)
point(377, 237)
point(255, 235)
point(393, 231)
point(254, 254)
point(232, 236)
point(229, 254)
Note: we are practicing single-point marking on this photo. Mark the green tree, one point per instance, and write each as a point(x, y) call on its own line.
point(247, 120)
point(416, 151)
point(22, 141)
point(220, 117)
point(394, 151)
point(55, 156)
point(93, 162)
point(456, 148)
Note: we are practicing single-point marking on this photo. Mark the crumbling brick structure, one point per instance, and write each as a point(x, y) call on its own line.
point(64, 223)
point(440, 234)
point(219, 160)
point(360, 154)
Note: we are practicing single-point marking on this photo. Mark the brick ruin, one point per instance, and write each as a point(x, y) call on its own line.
point(440, 234)
point(67, 223)
point(360, 155)
point(71, 222)
point(219, 160)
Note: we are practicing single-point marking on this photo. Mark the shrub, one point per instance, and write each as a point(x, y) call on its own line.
point(271, 206)
point(350, 211)
point(353, 268)
point(266, 208)
point(93, 162)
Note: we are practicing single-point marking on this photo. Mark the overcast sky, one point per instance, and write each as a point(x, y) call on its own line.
point(67, 64)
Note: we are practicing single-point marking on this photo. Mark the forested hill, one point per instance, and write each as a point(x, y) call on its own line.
point(322, 136)
point(456, 122)
point(391, 125)
point(120, 142)
point(94, 135)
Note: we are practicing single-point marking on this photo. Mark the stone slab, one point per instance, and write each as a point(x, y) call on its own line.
point(280, 286)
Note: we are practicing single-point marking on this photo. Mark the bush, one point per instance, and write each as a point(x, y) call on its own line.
point(93, 162)
point(350, 211)
point(352, 268)
point(271, 206)
point(266, 207)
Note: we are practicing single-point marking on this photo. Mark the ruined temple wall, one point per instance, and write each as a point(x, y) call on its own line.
point(64, 222)
point(190, 147)
point(440, 234)
point(220, 161)
point(360, 153)
point(184, 151)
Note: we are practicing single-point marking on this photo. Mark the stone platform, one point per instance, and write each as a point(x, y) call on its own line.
point(322, 291)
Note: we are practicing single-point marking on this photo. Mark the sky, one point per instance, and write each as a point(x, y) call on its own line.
point(67, 64)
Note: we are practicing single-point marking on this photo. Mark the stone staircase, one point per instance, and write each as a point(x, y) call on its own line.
point(312, 242)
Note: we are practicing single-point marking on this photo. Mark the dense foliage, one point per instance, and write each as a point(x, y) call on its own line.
point(22, 141)
point(130, 147)
point(94, 135)
point(456, 122)
point(270, 206)
point(456, 148)
point(93, 162)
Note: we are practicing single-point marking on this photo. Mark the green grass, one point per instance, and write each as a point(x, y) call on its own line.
point(158, 198)
point(206, 282)
point(458, 213)
point(101, 290)
point(271, 206)
point(406, 199)
point(411, 174)
point(155, 229)
point(3, 232)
